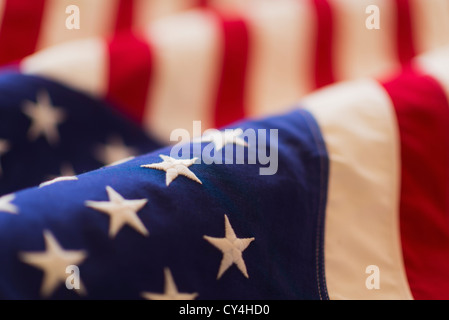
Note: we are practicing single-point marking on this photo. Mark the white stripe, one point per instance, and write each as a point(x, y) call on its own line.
point(97, 18)
point(280, 64)
point(430, 23)
point(362, 216)
point(2, 8)
point(81, 64)
point(359, 51)
point(186, 64)
point(146, 11)
point(436, 64)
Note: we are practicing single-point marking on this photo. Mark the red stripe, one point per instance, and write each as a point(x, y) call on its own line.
point(231, 91)
point(404, 35)
point(422, 111)
point(130, 75)
point(19, 30)
point(124, 19)
point(324, 74)
point(202, 3)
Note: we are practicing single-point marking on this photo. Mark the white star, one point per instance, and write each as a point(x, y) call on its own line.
point(53, 262)
point(114, 152)
point(232, 248)
point(44, 118)
point(58, 179)
point(4, 147)
point(7, 206)
point(121, 211)
point(174, 168)
point(170, 291)
point(222, 138)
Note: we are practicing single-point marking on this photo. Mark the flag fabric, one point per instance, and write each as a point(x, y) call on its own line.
point(48, 130)
point(123, 226)
point(307, 193)
point(220, 65)
point(387, 196)
point(26, 27)
point(347, 194)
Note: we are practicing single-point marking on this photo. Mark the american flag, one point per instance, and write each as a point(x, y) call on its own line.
point(94, 205)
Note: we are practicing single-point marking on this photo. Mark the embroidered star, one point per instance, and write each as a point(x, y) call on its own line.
point(44, 118)
point(174, 168)
point(58, 179)
point(53, 262)
point(121, 212)
point(170, 291)
point(232, 249)
point(114, 151)
point(7, 206)
point(4, 148)
point(222, 138)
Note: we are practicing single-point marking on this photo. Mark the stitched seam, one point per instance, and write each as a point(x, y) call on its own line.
point(319, 262)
